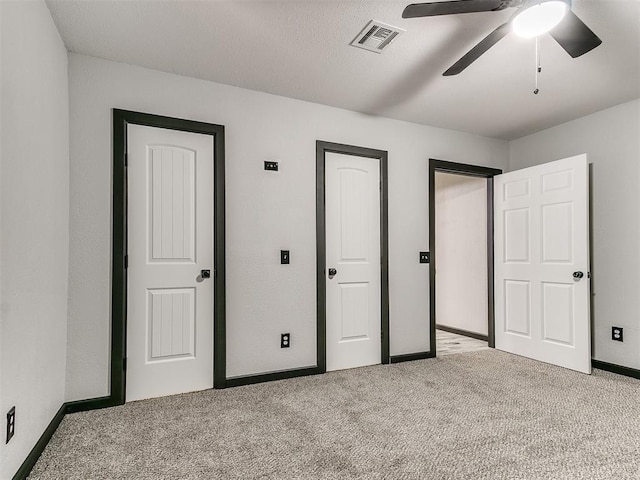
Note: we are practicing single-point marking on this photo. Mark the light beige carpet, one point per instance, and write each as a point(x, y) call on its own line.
point(481, 415)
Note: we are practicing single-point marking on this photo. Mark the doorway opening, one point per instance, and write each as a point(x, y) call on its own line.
point(461, 246)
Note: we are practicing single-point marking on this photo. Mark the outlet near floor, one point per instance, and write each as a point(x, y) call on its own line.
point(11, 423)
point(617, 334)
point(285, 340)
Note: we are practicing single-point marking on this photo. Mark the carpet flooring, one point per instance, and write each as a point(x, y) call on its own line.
point(480, 415)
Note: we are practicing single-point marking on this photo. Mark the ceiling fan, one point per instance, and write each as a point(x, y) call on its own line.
point(533, 18)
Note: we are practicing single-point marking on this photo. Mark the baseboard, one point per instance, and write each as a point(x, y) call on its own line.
point(409, 357)
point(90, 404)
point(269, 377)
point(42, 442)
point(466, 333)
point(619, 369)
point(67, 407)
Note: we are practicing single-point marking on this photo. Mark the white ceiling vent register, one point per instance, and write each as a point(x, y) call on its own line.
point(376, 36)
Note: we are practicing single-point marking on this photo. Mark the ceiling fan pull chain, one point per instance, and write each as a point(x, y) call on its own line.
point(538, 66)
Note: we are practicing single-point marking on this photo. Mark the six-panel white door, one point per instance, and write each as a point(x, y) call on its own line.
point(352, 218)
point(541, 238)
point(170, 240)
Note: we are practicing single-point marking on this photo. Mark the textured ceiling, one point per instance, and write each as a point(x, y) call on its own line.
point(300, 49)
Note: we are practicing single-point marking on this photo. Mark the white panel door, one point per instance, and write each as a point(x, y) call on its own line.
point(542, 310)
point(170, 240)
point(352, 217)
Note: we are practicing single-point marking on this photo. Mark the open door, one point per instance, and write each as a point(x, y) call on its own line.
point(542, 280)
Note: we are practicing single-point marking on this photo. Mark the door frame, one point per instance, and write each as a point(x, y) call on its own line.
point(443, 166)
point(122, 118)
point(322, 148)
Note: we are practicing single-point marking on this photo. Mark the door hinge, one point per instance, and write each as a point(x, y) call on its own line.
point(126, 262)
point(126, 159)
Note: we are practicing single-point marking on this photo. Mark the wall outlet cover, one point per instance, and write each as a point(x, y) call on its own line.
point(285, 340)
point(617, 334)
point(284, 257)
point(11, 423)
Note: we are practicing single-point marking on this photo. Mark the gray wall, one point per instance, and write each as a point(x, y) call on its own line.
point(611, 140)
point(266, 212)
point(34, 224)
point(461, 248)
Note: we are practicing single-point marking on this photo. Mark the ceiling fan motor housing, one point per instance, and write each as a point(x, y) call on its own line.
point(556, 19)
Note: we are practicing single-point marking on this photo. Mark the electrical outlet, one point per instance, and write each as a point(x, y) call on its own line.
point(616, 334)
point(285, 340)
point(284, 257)
point(11, 423)
point(424, 257)
point(271, 166)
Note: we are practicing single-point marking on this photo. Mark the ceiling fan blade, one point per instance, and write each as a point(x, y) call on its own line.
point(574, 36)
point(472, 55)
point(450, 8)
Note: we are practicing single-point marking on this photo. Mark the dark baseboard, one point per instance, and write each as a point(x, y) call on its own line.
point(409, 357)
point(466, 333)
point(42, 442)
point(67, 407)
point(269, 377)
point(619, 369)
point(90, 404)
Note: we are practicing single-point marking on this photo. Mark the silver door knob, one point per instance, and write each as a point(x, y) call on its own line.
point(332, 272)
point(578, 275)
point(205, 273)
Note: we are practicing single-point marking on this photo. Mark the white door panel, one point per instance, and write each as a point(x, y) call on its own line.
point(352, 209)
point(541, 239)
point(170, 240)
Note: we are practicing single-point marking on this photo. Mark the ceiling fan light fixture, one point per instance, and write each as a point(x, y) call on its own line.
point(538, 17)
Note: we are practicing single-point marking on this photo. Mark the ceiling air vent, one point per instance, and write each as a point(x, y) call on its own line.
point(376, 36)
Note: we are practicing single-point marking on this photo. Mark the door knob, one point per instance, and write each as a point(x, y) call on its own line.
point(578, 275)
point(332, 272)
point(205, 273)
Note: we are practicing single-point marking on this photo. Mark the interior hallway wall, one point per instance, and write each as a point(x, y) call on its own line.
point(461, 252)
point(34, 224)
point(266, 212)
point(611, 140)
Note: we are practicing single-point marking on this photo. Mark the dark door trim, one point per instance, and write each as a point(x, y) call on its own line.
point(472, 171)
point(321, 149)
point(122, 118)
